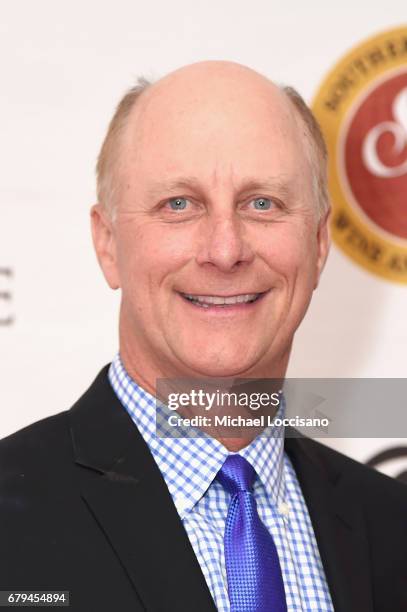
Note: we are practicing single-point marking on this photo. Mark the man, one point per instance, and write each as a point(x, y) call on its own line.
point(212, 221)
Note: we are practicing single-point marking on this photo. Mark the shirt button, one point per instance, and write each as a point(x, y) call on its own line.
point(181, 504)
point(284, 509)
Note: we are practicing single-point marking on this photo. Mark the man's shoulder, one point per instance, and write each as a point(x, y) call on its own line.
point(45, 441)
point(35, 446)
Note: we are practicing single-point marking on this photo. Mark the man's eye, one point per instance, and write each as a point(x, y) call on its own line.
point(262, 203)
point(178, 203)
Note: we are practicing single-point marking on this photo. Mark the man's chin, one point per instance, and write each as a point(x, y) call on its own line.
point(217, 368)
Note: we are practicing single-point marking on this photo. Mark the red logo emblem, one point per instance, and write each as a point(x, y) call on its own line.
point(374, 155)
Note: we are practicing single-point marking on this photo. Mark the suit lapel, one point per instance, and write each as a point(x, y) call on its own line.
point(125, 491)
point(339, 527)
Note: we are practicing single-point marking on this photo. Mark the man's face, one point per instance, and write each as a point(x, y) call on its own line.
point(216, 202)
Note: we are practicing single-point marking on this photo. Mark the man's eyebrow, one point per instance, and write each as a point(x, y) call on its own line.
point(174, 185)
point(281, 184)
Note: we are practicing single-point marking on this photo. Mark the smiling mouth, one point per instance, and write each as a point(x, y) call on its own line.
point(209, 301)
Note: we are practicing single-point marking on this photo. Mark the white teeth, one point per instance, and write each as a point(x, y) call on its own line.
point(205, 300)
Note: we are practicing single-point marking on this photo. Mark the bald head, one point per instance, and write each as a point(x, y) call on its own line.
point(212, 100)
point(212, 82)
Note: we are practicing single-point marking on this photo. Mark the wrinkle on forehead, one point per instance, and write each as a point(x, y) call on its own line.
point(240, 184)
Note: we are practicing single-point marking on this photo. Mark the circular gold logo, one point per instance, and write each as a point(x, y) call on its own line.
point(362, 109)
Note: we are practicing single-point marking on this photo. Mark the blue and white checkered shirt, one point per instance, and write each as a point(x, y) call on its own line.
point(189, 466)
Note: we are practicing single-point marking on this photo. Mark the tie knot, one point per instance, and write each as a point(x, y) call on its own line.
point(236, 474)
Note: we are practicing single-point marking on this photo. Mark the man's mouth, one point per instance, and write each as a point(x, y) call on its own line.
point(208, 301)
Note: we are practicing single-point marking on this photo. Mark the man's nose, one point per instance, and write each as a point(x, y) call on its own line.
point(223, 243)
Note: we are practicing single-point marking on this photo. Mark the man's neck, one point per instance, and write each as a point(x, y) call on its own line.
point(139, 369)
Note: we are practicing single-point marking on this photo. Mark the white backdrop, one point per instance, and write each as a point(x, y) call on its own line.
point(63, 67)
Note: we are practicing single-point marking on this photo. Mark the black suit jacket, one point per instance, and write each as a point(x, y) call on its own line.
point(84, 508)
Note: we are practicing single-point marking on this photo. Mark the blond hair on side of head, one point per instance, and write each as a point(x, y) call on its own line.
point(317, 149)
point(106, 166)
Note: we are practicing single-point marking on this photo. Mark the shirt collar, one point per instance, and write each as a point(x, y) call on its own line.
point(189, 464)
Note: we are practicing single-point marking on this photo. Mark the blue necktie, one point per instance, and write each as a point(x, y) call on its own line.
point(255, 582)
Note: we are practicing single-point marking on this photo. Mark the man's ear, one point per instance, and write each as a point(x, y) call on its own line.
point(324, 243)
point(104, 242)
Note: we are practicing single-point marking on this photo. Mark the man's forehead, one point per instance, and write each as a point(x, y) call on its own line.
point(213, 117)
